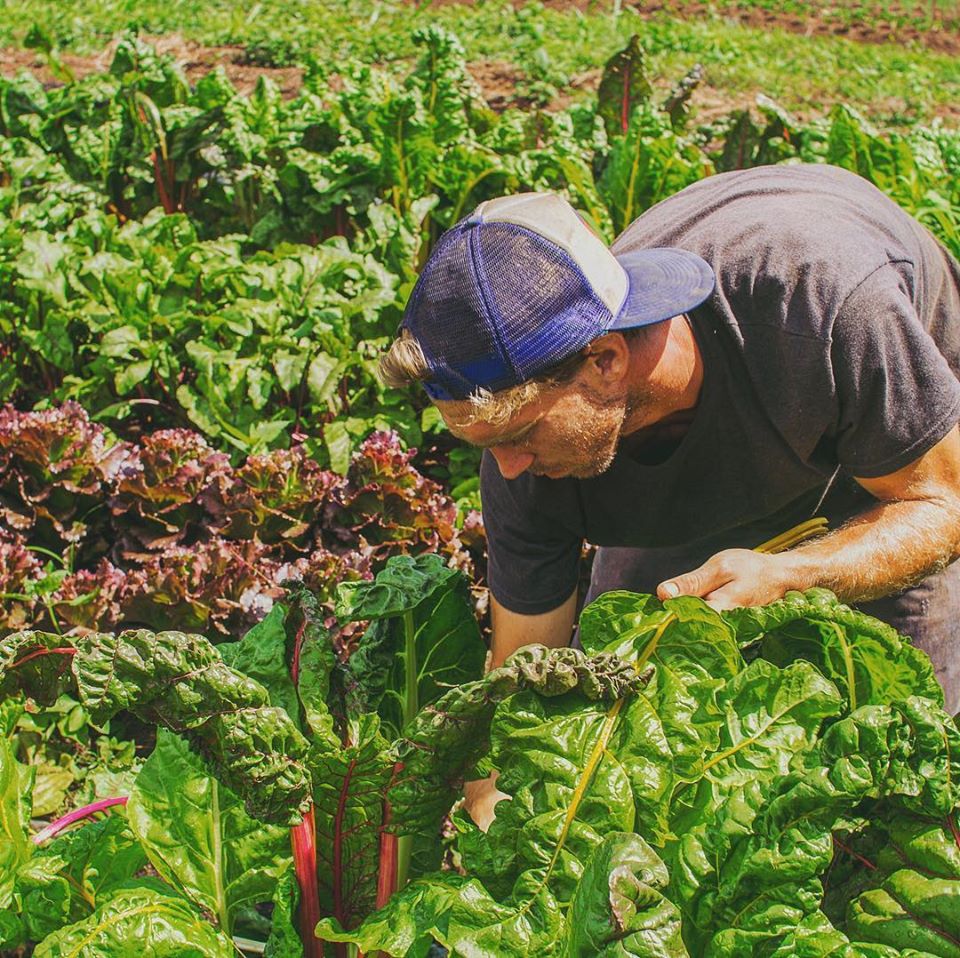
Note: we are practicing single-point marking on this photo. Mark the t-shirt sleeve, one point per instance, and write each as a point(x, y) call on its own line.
point(897, 396)
point(532, 561)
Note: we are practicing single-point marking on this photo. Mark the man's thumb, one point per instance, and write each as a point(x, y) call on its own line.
point(698, 582)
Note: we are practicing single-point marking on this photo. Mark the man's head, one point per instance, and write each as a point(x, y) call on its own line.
point(521, 323)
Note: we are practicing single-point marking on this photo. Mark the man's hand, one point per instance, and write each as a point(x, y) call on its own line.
point(736, 577)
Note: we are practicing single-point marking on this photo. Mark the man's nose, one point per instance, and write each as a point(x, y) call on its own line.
point(511, 461)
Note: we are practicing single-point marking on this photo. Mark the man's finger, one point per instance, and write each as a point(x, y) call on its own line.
point(700, 582)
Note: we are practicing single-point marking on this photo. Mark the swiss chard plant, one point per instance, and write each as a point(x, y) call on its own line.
point(779, 781)
point(719, 807)
point(292, 736)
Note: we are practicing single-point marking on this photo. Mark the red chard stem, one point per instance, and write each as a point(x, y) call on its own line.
point(303, 840)
point(38, 653)
point(78, 814)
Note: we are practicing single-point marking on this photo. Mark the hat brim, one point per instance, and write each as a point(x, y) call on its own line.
point(663, 283)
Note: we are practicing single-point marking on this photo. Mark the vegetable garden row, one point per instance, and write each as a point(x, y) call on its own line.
point(196, 287)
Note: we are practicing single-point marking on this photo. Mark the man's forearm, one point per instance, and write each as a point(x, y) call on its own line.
point(880, 552)
point(512, 631)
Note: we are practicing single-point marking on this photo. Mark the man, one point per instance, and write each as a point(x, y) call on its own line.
point(765, 346)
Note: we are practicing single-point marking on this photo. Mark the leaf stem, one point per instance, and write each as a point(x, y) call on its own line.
point(846, 848)
point(411, 706)
point(952, 822)
point(303, 841)
point(38, 653)
point(387, 874)
point(216, 841)
point(78, 814)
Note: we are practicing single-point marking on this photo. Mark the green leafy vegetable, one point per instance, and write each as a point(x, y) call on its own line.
point(159, 923)
point(198, 836)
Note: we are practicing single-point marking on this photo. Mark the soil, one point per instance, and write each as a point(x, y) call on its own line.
point(876, 22)
point(194, 59)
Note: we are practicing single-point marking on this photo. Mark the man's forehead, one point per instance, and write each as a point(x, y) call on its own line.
point(461, 420)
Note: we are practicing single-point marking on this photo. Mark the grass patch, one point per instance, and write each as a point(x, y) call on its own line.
point(894, 84)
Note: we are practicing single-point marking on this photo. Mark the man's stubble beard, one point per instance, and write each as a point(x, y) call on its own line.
point(600, 436)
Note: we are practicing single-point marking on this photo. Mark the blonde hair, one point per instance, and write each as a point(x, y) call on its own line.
point(404, 364)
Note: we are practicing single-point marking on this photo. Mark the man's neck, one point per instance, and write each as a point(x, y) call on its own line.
point(670, 368)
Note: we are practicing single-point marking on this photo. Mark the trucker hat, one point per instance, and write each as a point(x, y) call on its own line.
point(523, 283)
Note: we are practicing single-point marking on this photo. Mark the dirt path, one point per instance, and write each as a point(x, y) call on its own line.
point(195, 60)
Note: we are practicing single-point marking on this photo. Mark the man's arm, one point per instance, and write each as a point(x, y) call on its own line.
point(512, 631)
point(913, 530)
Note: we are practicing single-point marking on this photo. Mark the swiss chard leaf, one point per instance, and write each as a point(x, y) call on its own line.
point(178, 681)
point(349, 808)
point(694, 652)
point(262, 655)
point(623, 86)
point(574, 765)
point(16, 785)
point(67, 879)
point(620, 909)
point(424, 637)
point(198, 836)
point(870, 663)
point(139, 920)
point(909, 909)
point(770, 715)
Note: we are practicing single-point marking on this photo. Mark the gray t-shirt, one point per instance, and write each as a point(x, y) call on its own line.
point(831, 349)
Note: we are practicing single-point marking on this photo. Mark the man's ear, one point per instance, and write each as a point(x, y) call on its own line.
point(607, 363)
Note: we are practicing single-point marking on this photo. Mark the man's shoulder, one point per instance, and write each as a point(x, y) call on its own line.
point(788, 244)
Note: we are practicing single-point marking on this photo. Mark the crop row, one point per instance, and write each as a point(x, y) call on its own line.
point(779, 781)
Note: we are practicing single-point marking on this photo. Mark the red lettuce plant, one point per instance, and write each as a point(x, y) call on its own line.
point(18, 568)
point(89, 597)
point(387, 502)
point(273, 497)
point(166, 533)
point(157, 490)
point(54, 470)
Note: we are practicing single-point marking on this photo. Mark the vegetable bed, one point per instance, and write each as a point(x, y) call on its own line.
point(775, 781)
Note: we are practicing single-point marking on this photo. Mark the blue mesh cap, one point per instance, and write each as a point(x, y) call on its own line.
point(523, 283)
